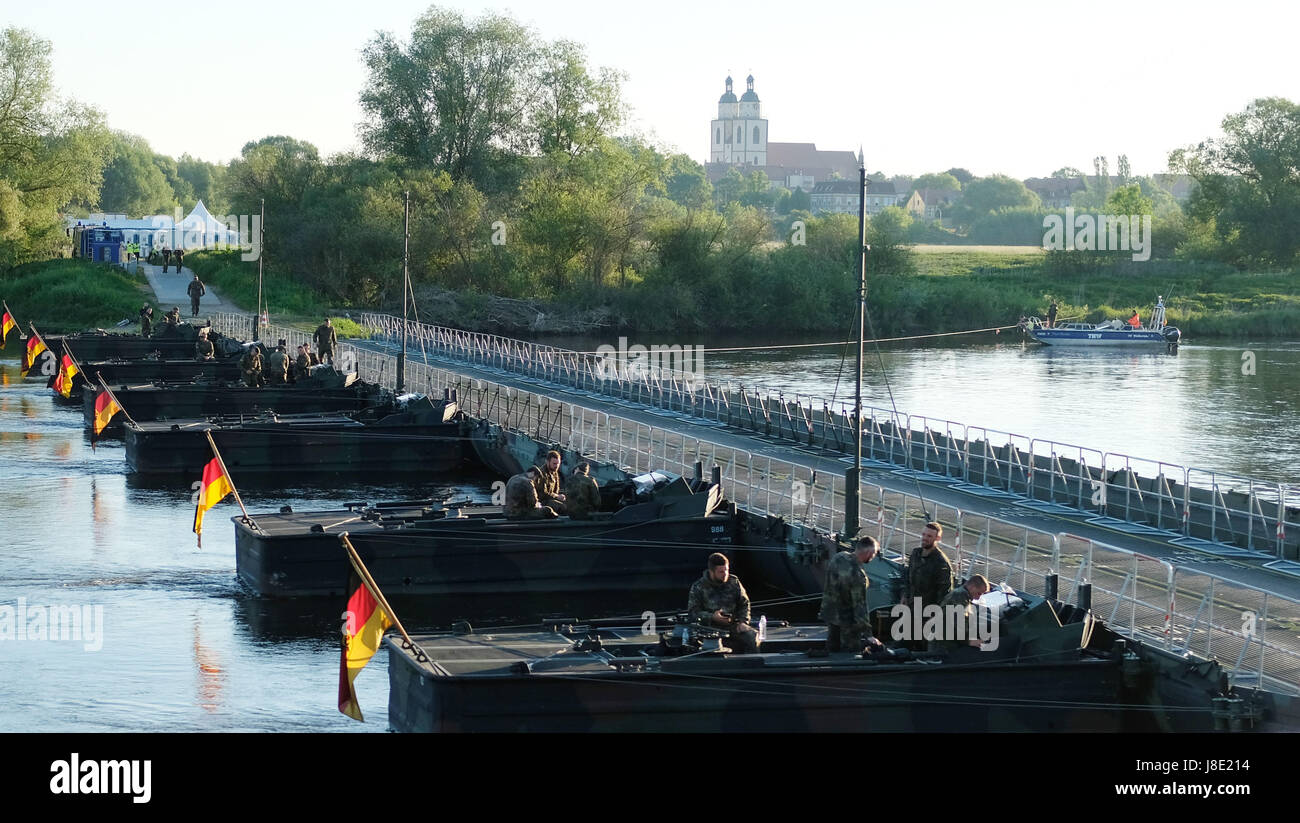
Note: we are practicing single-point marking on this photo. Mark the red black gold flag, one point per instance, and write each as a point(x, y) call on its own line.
point(106, 408)
point(35, 345)
point(67, 371)
point(213, 488)
point(6, 325)
point(364, 623)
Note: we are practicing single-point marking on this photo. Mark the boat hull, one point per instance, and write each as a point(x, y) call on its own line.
point(1076, 337)
point(283, 557)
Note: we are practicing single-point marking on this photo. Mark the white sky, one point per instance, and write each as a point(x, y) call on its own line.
point(1020, 88)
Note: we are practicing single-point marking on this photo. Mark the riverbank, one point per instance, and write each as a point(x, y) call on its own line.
point(949, 290)
point(72, 295)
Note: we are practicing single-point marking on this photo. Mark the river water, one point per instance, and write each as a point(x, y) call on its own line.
point(180, 647)
point(1231, 409)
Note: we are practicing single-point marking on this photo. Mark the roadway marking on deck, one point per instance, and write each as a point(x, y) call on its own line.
point(1130, 528)
point(1220, 549)
point(1290, 567)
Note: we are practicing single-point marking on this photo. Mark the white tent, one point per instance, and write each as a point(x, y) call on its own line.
point(200, 229)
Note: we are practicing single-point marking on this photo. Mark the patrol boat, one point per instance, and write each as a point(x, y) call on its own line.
point(171, 343)
point(1112, 333)
point(146, 368)
point(415, 435)
point(657, 539)
point(324, 390)
point(1055, 668)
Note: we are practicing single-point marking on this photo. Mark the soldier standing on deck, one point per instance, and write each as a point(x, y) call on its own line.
point(929, 574)
point(719, 601)
point(251, 366)
point(582, 495)
point(548, 483)
point(326, 339)
point(195, 290)
point(301, 366)
point(146, 320)
point(844, 599)
point(277, 366)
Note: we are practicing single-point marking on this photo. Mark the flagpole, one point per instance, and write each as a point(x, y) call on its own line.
point(113, 397)
point(226, 472)
point(372, 585)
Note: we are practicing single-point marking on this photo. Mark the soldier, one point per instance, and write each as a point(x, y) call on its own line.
point(326, 338)
point(195, 290)
point(718, 600)
point(146, 320)
point(582, 494)
point(844, 599)
point(521, 498)
point(180, 260)
point(961, 597)
point(251, 366)
point(301, 366)
point(548, 483)
point(277, 366)
point(312, 359)
point(203, 349)
point(167, 258)
point(929, 574)
point(173, 317)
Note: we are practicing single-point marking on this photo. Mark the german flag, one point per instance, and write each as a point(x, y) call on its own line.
point(35, 345)
point(105, 409)
point(6, 325)
point(67, 371)
point(213, 488)
point(364, 624)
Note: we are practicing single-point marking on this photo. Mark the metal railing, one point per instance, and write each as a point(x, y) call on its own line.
point(1181, 501)
point(1140, 596)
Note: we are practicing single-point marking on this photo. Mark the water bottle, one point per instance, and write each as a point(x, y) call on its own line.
point(762, 628)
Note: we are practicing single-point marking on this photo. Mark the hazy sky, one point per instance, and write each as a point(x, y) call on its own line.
point(1020, 88)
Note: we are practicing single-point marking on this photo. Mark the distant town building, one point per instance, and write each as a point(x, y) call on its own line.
point(930, 204)
point(1055, 192)
point(197, 230)
point(738, 139)
point(841, 196)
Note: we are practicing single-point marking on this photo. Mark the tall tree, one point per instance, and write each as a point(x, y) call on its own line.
point(961, 174)
point(134, 184)
point(52, 151)
point(459, 92)
point(575, 108)
point(943, 180)
point(988, 194)
point(1248, 182)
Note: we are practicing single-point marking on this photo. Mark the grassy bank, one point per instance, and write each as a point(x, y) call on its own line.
point(72, 295)
point(979, 289)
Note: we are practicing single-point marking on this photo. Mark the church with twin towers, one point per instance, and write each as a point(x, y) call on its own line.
point(739, 139)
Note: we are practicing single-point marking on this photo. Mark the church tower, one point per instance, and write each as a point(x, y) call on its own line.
point(739, 135)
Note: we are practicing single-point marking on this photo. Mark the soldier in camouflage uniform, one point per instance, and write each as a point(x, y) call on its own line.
point(326, 338)
point(719, 601)
point(277, 366)
point(548, 484)
point(521, 498)
point(301, 366)
point(146, 320)
point(844, 599)
point(582, 494)
point(961, 597)
point(203, 348)
point(251, 366)
point(173, 317)
point(929, 574)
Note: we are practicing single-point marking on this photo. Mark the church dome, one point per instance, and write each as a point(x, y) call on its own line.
point(749, 96)
point(728, 96)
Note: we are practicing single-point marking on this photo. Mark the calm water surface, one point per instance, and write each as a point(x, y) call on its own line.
point(184, 649)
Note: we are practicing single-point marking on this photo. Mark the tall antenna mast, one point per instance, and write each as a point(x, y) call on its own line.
point(406, 286)
point(852, 477)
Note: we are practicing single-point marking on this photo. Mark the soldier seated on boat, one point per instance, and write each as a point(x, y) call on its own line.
point(844, 599)
point(582, 493)
point(719, 601)
point(521, 498)
point(203, 349)
point(173, 317)
point(251, 367)
point(548, 483)
point(961, 598)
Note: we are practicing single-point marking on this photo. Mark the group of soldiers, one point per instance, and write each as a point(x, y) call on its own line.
point(536, 495)
point(170, 255)
point(719, 600)
point(277, 369)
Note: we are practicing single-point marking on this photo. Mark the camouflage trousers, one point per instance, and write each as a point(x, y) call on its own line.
point(847, 638)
